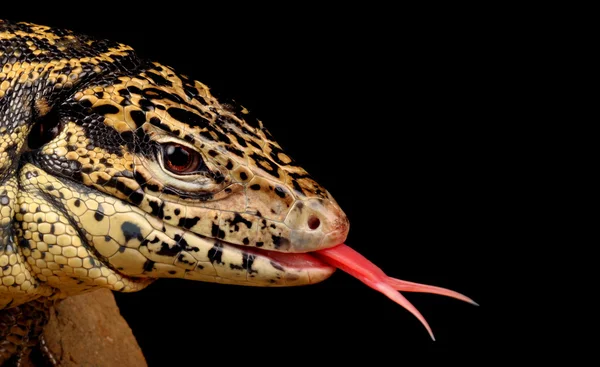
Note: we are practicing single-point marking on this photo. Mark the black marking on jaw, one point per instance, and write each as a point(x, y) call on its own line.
point(280, 242)
point(187, 223)
point(182, 259)
point(135, 197)
point(99, 215)
point(215, 253)
point(148, 265)
point(239, 219)
point(131, 231)
point(158, 210)
point(167, 250)
point(280, 192)
point(216, 232)
point(184, 245)
point(247, 262)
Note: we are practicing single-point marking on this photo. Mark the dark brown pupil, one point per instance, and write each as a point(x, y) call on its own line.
point(178, 156)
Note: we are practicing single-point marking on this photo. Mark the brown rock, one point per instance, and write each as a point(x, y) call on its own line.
point(88, 330)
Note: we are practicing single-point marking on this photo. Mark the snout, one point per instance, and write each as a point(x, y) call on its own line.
point(316, 224)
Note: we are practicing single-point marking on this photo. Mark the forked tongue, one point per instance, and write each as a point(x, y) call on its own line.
point(353, 263)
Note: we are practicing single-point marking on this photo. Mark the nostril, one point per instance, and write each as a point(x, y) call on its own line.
point(313, 222)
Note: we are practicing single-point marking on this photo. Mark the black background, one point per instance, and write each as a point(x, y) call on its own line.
point(396, 114)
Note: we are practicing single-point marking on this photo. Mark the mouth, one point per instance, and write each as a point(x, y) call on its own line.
point(293, 260)
point(345, 258)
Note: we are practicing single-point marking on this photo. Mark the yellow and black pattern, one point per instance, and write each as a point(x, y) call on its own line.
point(115, 171)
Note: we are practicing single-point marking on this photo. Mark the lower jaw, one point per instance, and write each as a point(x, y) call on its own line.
point(315, 269)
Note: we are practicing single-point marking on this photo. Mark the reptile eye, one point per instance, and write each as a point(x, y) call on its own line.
point(180, 159)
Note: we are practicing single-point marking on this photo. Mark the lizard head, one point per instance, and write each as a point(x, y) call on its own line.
point(159, 178)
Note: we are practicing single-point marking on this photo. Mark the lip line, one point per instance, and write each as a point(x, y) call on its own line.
point(280, 257)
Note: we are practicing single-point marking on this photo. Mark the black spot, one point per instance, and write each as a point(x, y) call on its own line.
point(182, 258)
point(159, 79)
point(187, 222)
point(136, 197)
point(106, 109)
point(138, 117)
point(99, 215)
point(235, 151)
point(148, 265)
point(279, 241)
point(172, 272)
point(297, 186)
point(239, 219)
point(246, 241)
point(217, 232)
point(167, 250)
point(188, 117)
point(77, 203)
point(260, 244)
point(247, 261)
point(229, 165)
point(215, 253)
point(24, 243)
point(243, 176)
point(236, 267)
point(158, 123)
point(157, 210)
point(177, 211)
point(280, 192)
point(131, 231)
point(255, 187)
point(265, 164)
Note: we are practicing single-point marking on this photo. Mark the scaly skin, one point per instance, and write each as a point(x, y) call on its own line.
point(87, 198)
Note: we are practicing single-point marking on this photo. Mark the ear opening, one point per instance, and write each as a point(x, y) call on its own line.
point(45, 127)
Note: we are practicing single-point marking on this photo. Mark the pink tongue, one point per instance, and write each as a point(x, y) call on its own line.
point(353, 263)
